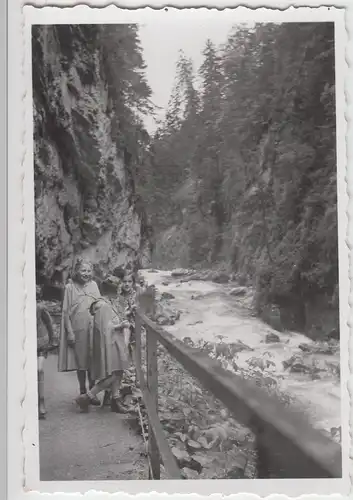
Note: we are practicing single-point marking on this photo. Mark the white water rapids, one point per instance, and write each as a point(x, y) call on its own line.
point(214, 312)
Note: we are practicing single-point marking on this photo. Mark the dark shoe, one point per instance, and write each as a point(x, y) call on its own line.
point(117, 407)
point(83, 401)
point(95, 401)
point(126, 390)
point(106, 399)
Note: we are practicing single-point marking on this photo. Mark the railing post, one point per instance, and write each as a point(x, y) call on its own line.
point(152, 385)
point(262, 457)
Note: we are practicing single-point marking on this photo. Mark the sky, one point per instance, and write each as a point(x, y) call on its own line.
point(161, 43)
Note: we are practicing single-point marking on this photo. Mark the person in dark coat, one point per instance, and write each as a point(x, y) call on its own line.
point(110, 354)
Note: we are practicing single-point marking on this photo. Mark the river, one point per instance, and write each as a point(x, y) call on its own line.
point(208, 310)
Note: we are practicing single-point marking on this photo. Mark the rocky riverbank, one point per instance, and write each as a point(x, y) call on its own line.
point(219, 316)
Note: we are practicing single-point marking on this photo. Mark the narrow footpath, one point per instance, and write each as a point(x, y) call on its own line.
point(95, 446)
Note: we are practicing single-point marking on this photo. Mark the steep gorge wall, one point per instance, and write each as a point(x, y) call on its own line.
point(84, 193)
point(255, 187)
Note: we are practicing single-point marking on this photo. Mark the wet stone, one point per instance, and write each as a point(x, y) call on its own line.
point(239, 291)
point(272, 337)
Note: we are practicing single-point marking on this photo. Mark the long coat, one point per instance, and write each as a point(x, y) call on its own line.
point(77, 302)
point(110, 351)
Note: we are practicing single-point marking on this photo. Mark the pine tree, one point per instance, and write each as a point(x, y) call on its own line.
point(129, 95)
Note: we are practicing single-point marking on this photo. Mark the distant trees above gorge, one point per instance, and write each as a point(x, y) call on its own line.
point(242, 172)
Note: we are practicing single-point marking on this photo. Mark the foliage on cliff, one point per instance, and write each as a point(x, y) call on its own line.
point(89, 96)
point(243, 171)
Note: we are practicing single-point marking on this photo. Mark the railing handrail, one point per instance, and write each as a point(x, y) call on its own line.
point(285, 439)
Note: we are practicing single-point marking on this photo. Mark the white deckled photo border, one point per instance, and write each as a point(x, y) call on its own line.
point(23, 456)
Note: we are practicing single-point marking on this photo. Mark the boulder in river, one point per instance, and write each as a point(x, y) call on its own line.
point(272, 337)
point(305, 347)
point(292, 360)
point(230, 350)
point(179, 273)
point(334, 368)
point(302, 364)
point(204, 275)
point(164, 320)
point(319, 348)
point(239, 346)
point(166, 315)
point(239, 291)
point(199, 296)
point(167, 296)
point(220, 278)
point(300, 368)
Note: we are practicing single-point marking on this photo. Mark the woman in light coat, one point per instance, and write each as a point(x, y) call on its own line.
point(75, 351)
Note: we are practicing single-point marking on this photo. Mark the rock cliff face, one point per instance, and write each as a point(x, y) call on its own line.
point(85, 204)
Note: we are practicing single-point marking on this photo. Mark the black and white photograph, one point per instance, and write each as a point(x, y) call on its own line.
point(188, 238)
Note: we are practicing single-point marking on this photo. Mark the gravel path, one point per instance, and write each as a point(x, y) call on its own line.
point(95, 446)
